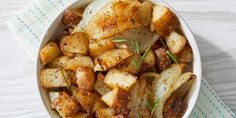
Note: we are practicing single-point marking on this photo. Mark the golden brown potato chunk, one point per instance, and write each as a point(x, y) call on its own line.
point(116, 78)
point(164, 20)
point(53, 78)
point(112, 57)
point(70, 19)
point(186, 55)
point(99, 46)
point(74, 63)
point(175, 42)
point(65, 105)
point(75, 43)
point(85, 78)
point(58, 62)
point(100, 86)
point(81, 115)
point(104, 113)
point(49, 52)
point(128, 65)
point(98, 104)
point(117, 99)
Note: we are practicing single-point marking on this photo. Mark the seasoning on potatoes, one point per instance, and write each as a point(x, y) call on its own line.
point(49, 52)
point(164, 20)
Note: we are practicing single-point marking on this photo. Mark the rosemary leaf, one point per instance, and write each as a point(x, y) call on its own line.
point(137, 47)
point(156, 104)
point(163, 43)
point(135, 63)
point(172, 57)
point(119, 40)
point(147, 102)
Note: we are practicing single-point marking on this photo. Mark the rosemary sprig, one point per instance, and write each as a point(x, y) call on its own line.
point(156, 104)
point(152, 107)
point(163, 43)
point(135, 45)
point(172, 57)
point(67, 81)
point(140, 61)
point(119, 40)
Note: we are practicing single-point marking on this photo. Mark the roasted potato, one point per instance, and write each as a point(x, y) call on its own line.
point(53, 78)
point(162, 59)
point(104, 113)
point(49, 52)
point(164, 20)
point(112, 57)
point(85, 78)
point(70, 18)
point(116, 78)
point(117, 99)
point(100, 86)
point(117, 16)
point(99, 46)
point(128, 66)
point(175, 42)
point(75, 43)
point(65, 105)
point(86, 100)
point(144, 16)
point(186, 55)
point(73, 64)
point(58, 62)
point(98, 104)
point(69, 54)
point(52, 96)
point(149, 60)
point(81, 115)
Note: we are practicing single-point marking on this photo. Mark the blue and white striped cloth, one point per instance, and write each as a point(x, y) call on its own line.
point(29, 25)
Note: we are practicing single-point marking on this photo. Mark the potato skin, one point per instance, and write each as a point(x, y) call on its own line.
point(65, 105)
point(167, 23)
point(162, 59)
point(85, 78)
point(70, 19)
point(117, 99)
point(49, 52)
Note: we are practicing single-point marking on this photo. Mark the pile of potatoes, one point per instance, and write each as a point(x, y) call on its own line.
point(87, 75)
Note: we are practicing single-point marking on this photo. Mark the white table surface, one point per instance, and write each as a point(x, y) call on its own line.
point(212, 21)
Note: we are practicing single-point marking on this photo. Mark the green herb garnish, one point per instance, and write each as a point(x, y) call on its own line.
point(140, 61)
point(156, 104)
point(150, 106)
point(67, 81)
point(135, 45)
point(172, 57)
point(163, 43)
point(119, 40)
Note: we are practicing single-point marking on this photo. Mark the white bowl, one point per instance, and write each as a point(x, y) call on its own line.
point(57, 25)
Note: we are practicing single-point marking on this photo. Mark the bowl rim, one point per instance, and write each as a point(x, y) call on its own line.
point(197, 58)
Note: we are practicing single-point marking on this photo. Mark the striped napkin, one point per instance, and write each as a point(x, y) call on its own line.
point(29, 25)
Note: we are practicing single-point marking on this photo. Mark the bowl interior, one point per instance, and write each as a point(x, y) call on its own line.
point(57, 26)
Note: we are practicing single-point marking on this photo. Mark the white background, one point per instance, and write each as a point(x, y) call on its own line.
point(212, 21)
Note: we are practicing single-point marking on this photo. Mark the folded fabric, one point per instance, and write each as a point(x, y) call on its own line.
point(31, 23)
